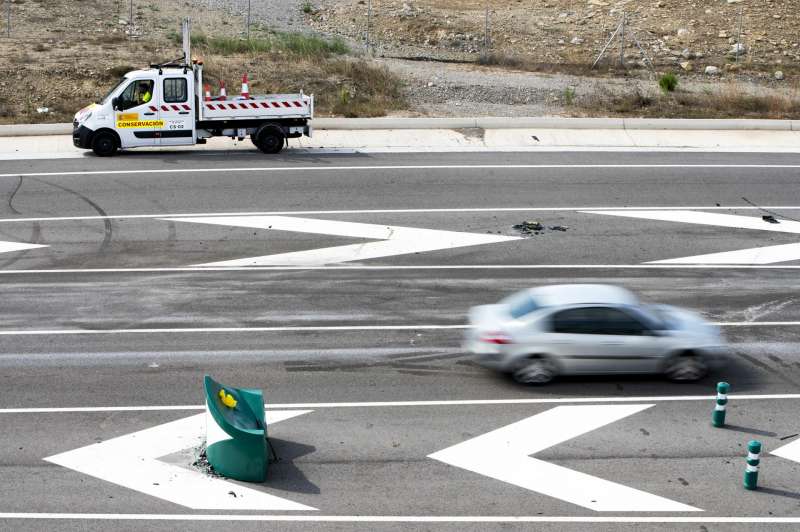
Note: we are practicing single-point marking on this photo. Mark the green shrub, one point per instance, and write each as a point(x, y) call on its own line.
point(569, 96)
point(668, 82)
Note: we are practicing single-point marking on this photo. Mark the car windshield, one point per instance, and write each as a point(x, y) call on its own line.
point(109, 93)
point(520, 304)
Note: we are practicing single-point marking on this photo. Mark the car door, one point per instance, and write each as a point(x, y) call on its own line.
point(631, 341)
point(136, 115)
point(574, 338)
point(176, 111)
point(602, 339)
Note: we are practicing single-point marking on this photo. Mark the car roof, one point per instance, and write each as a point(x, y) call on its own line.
point(578, 294)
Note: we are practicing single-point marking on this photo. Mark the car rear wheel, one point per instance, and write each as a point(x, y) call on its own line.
point(535, 371)
point(686, 368)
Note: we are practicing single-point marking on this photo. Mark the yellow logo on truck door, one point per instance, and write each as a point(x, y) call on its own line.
point(131, 121)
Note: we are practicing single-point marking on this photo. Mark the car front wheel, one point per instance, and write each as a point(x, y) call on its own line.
point(104, 144)
point(686, 368)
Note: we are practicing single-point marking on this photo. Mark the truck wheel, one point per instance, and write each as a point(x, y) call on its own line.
point(104, 144)
point(270, 139)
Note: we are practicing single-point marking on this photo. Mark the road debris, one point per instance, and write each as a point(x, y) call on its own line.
point(769, 218)
point(535, 227)
point(529, 226)
point(203, 465)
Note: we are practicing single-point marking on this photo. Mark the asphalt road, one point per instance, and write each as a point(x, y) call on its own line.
point(109, 329)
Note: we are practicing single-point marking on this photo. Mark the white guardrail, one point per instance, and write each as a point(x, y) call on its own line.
point(26, 130)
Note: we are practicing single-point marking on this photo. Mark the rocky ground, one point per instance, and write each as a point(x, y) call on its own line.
point(536, 63)
point(683, 34)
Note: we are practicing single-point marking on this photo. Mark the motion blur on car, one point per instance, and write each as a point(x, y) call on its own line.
point(591, 329)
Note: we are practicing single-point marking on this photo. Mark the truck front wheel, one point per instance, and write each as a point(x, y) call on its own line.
point(269, 139)
point(104, 144)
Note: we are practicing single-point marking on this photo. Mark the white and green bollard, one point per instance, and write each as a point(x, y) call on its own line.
point(718, 417)
point(753, 459)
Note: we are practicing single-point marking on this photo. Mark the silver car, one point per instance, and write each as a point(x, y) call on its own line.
point(576, 329)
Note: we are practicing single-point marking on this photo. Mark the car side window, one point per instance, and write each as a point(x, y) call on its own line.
point(597, 320)
point(585, 320)
point(621, 323)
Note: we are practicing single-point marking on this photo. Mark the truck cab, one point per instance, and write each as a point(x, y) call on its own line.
point(152, 107)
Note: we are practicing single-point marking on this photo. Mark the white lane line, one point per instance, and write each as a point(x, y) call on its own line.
point(206, 269)
point(394, 240)
point(418, 149)
point(763, 255)
point(209, 269)
point(759, 255)
point(400, 211)
point(132, 461)
point(306, 518)
point(321, 328)
point(17, 246)
point(382, 404)
point(322, 168)
point(180, 330)
point(706, 218)
point(506, 453)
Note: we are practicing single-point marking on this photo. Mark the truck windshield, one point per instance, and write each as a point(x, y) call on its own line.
point(108, 95)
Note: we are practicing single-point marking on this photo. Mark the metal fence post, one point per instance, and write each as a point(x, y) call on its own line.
point(247, 32)
point(369, 24)
point(487, 39)
point(739, 36)
point(622, 41)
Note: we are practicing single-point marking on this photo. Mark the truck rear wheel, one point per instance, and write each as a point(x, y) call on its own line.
point(269, 139)
point(104, 144)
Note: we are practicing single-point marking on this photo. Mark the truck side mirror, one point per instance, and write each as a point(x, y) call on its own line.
point(115, 104)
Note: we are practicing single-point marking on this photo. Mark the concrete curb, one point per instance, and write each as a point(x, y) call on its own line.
point(26, 130)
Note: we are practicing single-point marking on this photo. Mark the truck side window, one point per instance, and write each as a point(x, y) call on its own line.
point(139, 92)
point(175, 90)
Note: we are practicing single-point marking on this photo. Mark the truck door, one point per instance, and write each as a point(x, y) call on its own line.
point(176, 111)
point(136, 115)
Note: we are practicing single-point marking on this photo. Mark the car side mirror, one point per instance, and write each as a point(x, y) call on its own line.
point(115, 104)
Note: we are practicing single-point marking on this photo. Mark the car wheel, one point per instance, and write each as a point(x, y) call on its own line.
point(104, 144)
point(685, 368)
point(535, 371)
point(270, 139)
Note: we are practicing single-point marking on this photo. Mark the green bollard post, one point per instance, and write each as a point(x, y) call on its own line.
point(753, 459)
point(718, 417)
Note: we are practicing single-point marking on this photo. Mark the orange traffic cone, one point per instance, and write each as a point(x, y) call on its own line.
point(223, 94)
point(207, 89)
point(245, 88)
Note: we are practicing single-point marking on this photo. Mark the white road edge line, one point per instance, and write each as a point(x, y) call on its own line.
point(403, 211)
point(321, 328)
point(380, 404)
point(205, 269)
point(395, 167)
point(401, 518)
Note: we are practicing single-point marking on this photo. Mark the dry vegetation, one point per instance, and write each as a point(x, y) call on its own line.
point(62, 58)
point(728, 102)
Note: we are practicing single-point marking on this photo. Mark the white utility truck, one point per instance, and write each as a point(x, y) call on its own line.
point(165, 106)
